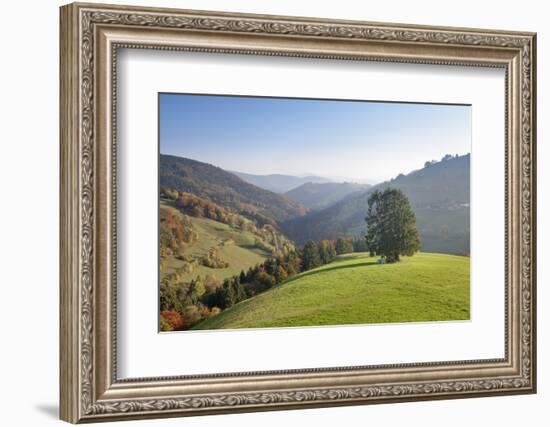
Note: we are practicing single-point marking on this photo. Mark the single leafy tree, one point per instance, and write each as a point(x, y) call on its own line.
point(391, 225)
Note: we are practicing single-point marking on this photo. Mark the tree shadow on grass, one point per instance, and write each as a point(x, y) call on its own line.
point(351, 256)
point(249, 246)
point(336, 267)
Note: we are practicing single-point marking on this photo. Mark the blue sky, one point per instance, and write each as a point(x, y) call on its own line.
point(362, 141)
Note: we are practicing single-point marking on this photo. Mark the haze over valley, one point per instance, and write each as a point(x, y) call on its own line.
point(319, 209)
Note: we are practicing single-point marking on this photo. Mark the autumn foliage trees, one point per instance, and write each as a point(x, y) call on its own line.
point(226, 189)
point(184, 302)
point(175, 232)
point(170, 320)
point(268, 237)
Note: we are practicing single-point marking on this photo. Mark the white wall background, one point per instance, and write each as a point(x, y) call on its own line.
point(29, 171)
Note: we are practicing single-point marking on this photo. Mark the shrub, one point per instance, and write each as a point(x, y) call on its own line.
point(173, 319)
point(169, 193)
point(213, 260)
point(211, 283)
point(164, 325)
point(191, 315)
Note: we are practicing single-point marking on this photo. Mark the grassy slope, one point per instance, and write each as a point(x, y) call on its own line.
point(241, 255)
point(354, 289)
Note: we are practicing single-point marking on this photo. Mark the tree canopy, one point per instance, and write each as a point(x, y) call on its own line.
point(310, 257)
point(344, 245)
point(391, 225)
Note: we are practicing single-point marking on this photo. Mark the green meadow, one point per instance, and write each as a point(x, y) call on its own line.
point(356, 289)
point(239, 251)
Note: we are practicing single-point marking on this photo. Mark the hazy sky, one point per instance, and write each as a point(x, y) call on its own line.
point(364, 141)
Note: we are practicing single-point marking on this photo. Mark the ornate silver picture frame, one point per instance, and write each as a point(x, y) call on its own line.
point(91, 35)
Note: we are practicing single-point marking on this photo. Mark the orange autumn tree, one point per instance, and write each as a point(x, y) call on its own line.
point(171, 320)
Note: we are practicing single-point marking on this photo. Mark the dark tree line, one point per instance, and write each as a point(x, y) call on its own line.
point(275, 271)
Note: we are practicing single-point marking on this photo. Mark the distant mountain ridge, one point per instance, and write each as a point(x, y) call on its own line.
point(439, 194)
point(315, 196)
point(279, 183)
point(226, 189)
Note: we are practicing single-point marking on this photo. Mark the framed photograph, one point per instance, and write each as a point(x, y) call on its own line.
point(266, 212)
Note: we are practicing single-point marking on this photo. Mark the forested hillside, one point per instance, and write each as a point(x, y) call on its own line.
point(439, 194)
point(202, 244)
point(226, 189)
